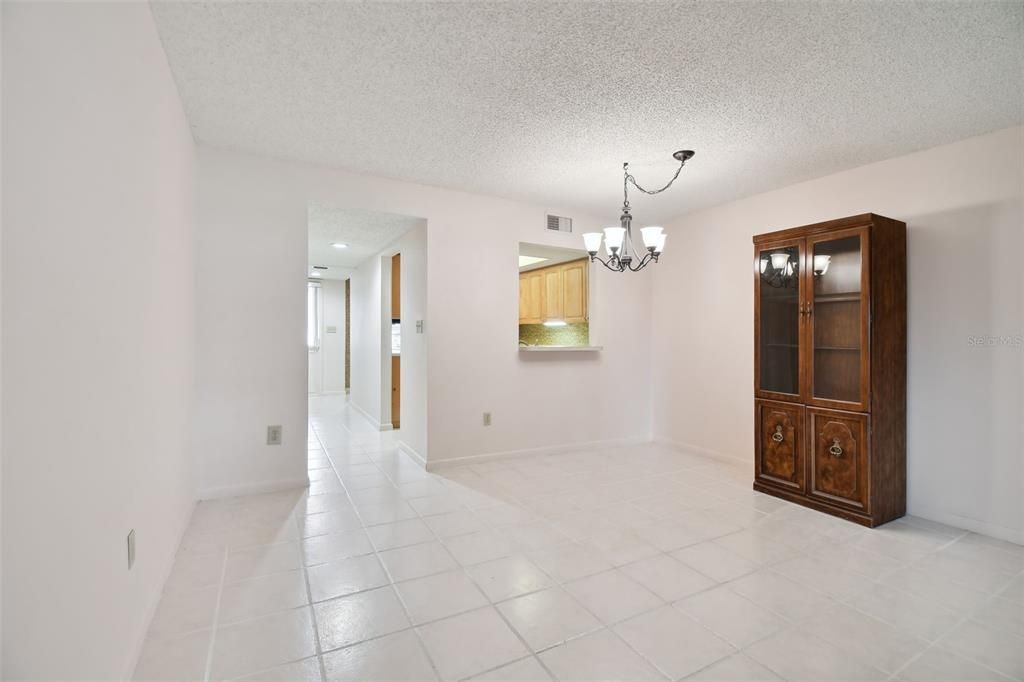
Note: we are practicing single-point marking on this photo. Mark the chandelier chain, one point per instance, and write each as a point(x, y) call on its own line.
point(628, 178)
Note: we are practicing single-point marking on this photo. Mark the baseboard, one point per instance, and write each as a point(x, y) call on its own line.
point(140, 638)
point(377, 424)
point(993, 530)
point(698, 450)
point(254, 488)
point(435, 465)
point(404, 447)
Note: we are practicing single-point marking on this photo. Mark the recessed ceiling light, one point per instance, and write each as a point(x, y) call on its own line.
point(530, 260)
point(339, 245)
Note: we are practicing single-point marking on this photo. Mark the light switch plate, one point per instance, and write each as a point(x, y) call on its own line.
point(419, 326)
point(274, 435)
point(331, 329)
point(487, 418)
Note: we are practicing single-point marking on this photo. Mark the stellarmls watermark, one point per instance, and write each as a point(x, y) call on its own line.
point(988, 341)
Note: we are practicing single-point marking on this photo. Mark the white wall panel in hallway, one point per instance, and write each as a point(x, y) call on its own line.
point(98, 319)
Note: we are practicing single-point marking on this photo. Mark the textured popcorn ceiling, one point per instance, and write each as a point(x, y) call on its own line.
point(365, 232)
point(544, 102)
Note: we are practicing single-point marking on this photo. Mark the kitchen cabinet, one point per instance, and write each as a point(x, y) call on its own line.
point(531, 297)
point(556, 292)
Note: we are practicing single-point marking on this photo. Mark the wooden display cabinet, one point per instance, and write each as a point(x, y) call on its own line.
point(830, 366)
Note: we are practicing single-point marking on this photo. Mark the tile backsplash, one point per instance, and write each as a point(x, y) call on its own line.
point(575, 334)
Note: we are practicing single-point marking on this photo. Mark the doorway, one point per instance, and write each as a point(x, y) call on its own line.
point(379, 261)
point(396, 341)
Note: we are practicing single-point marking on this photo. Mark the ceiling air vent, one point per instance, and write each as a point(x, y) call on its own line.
point(559, 223)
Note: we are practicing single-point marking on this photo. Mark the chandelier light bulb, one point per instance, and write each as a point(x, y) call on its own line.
point(780, 260)
point(764, 265)
point(821, 264)
point(613, 237)
point(650, 235)
point(659, 244)
point(592, 242)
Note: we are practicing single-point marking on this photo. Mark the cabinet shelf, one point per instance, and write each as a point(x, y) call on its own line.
point(837, 298)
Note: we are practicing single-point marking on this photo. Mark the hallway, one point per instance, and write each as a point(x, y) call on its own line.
point(638, 563)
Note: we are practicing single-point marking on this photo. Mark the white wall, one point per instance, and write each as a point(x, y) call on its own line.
point(98, 318)
point(471, 322)
point(415, 353)
point(333, 345)
point(371, 338)
point(366, 359)
point(963, 207)
point(327, 366)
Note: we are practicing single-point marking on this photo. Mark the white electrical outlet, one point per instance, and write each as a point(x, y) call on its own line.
point(274, 435)
point(131, 548)
point(487, 418)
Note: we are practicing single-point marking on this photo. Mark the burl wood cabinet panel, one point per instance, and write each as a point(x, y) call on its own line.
point(779, 452)
point(830, 363)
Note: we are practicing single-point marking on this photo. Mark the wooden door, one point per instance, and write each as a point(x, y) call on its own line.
point(530, 297)
point(838, 451)
point(778, 320)
point(396, 286)
point(552, 304)
point(779, 444)
point(396, 391)
point(574, 290)
point(837, 348)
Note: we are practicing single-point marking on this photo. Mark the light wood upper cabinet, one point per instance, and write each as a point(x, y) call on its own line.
point(530, 297)
point(558, 292)
point(553, 304)
point(574, 291)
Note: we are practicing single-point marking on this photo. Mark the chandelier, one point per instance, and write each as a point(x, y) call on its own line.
point(618, 241)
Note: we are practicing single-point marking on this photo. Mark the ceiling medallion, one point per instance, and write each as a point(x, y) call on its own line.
point(618, 241)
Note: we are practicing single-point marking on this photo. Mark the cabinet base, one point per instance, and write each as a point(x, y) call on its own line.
point(847, 514)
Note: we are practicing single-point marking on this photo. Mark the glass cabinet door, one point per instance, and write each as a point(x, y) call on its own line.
point(837, 372)
point(778, 324)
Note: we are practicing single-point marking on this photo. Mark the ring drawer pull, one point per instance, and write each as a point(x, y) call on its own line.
point(777, 436)
point(836, 450)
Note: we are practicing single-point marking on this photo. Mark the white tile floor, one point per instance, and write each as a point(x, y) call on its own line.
point(635, 563)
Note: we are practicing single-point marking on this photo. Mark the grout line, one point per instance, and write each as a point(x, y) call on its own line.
point(305, 579)
point(216, 617)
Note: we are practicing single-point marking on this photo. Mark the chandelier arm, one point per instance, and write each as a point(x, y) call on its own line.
point(644, 262)
point(607, 263)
